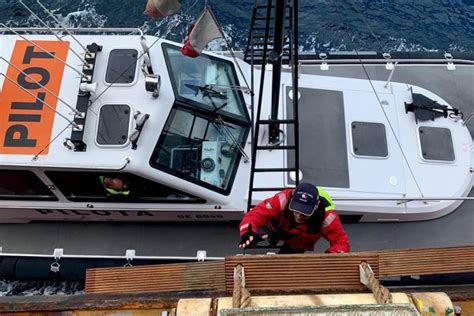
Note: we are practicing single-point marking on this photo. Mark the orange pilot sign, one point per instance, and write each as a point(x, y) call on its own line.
point(26, 121)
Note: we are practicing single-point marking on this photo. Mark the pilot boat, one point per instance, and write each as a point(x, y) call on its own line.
point(383, 134)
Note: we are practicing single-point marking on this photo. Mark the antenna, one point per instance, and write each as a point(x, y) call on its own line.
point(75, 125)
point(45, 51)
point(52, 32)
point(62, 25)
point(76, 112)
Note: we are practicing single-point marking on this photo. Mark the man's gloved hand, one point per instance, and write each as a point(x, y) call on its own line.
point(250, 238)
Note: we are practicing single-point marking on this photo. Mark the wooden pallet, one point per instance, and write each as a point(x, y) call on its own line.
point(280, 272)
point(311, 271)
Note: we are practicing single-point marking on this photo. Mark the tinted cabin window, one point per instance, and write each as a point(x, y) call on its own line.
point(436, 143)
point(121, 67)
point(206, 82)
point(114, 121)
point(369, 139)
point(200, 149)
point(87, 186)
point(23, 185)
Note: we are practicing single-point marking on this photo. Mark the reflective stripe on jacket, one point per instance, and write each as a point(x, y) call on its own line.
point(274, 214)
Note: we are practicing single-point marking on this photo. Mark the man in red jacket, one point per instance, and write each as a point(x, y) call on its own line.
point(298, 217)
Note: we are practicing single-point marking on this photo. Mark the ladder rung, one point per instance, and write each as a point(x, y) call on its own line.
point(274, 169)
point(258, 18)
point(268, 189)
point(288, 121)
point(261, 28)
point(275, 147)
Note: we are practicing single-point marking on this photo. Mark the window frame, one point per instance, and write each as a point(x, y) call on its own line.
point(179, 106)
point(32, 197)
point(130, 118)
point(420, 148)
point(108, 198)
point(205, 112)
point(203, 106)
point(135, 74)
point(368, 156)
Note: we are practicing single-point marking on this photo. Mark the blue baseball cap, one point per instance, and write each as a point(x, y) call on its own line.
point(304, 200)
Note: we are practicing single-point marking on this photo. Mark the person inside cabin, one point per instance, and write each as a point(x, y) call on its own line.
point(115, 185)
point(299, 217)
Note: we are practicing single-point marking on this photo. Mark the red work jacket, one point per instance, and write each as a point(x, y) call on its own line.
point(275, 215)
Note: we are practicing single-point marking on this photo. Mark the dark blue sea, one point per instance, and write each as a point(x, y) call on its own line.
point(325, 25)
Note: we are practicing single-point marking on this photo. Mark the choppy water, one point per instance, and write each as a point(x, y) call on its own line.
point(382, 25)
point(325, 25)
point(20, 288)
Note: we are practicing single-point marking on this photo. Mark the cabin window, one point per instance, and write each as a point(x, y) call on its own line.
point(201, 149)
point(23, 185)
point(206, 130)
point(88, 186)
point(121, 67)
point(369, 139)
point(114, 122)
point(436, 143)
point(205, 81)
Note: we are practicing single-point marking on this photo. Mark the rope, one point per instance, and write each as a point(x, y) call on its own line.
point(241, 296)
point(381, 293)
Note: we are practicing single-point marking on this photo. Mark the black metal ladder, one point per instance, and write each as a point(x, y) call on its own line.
point(273, 40)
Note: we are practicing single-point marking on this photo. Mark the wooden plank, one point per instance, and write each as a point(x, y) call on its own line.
point(294, 272)
point(426, 261)
point(157, 278)
point(57, 303)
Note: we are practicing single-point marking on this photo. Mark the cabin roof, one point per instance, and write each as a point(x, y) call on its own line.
point(35, 133)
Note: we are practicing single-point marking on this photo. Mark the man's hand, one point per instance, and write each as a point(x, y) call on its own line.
point(249, 239)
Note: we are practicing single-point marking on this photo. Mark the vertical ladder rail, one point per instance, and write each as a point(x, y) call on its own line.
point(259, 104)
point(275, 59)
point(295, 77)
point(281, 36)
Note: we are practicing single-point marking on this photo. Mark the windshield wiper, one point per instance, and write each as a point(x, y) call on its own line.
point(207, 91)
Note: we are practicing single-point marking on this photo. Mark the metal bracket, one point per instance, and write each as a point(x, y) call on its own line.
point(201, 255)
point(55, 266)
point(389, 65)
point(324, 65)
point(80, 115)
point(129, 255)
point(78, 127)
point(86, 78)
point(450, 65)
point(68, 144)
point(90, 55)
point(58, 253)
point(392, 71)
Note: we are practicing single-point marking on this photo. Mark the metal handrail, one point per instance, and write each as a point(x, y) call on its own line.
point(466, 198)
point(124, 257)
point(98, 30)
point(384, 61)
